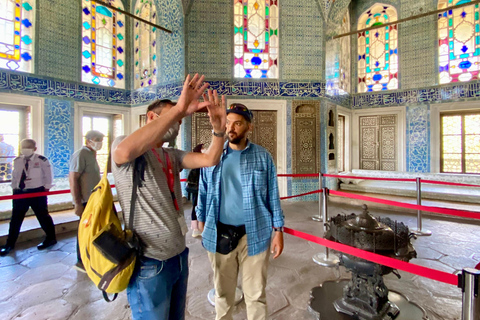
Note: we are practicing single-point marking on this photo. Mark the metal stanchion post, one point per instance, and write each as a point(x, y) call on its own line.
point(318, 216)
point(470, 284)
point(418, 231)
point(324, 259)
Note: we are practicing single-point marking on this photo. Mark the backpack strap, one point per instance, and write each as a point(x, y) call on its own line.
point(105, 296)
point(138, 177)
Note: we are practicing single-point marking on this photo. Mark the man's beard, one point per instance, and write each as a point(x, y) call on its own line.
point(237, 139)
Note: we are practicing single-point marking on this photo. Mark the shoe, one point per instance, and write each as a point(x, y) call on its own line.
point(5, 250)
point(196, 233)
point(79, 267)
point(46, 244)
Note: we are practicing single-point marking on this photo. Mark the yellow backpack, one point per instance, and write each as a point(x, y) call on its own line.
point(108, 252)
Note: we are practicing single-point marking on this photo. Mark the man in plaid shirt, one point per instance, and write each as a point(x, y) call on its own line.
point(238, 210)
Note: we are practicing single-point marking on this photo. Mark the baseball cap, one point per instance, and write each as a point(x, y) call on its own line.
point(240, 109)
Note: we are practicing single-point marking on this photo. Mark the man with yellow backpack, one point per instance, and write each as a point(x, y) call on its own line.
point(158, 286)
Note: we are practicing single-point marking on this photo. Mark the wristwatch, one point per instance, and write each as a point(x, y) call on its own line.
point(218, 134)
point(278, 229)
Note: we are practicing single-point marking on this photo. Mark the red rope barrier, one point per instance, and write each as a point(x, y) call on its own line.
point(41, 194)
point(453, 212)
point(450, 183)
point(302, 194)
point(402, 179)
point(377, 258)
point(367, 178)
point(312, 175)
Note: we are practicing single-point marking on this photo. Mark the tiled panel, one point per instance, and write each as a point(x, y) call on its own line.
point(418, 138)
point(417, 49)
point(59, 125)
point(209, 32)
point(300, 186)
point(301, 41)
point(58, 46)
point(172, 48)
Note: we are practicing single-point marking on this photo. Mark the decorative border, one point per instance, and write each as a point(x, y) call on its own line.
point(33, 85)
point(415, 96)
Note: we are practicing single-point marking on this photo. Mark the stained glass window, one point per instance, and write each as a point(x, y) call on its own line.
point(103, 44)
point(377, 50)
point(145, 45)
point(458, 42)
point(256, 39)
point(460, 143)
point(17, 34)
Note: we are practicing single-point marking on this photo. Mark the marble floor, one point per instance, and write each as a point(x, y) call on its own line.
point(42, 285)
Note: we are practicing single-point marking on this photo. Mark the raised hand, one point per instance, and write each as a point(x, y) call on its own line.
point(192, 89)
point(217, 111)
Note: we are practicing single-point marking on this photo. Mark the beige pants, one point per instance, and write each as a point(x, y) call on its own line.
point(254, 279)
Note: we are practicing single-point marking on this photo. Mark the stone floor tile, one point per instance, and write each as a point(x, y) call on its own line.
point(44, 258)
point(299, 313)
point(42, 274)
point(41, 293)
point(102, 310)
point(57, 309)
point(9, 288)
point(83, 292)
point(290, 277)
point(276, 301)
point(12, 272)
point(9, 310)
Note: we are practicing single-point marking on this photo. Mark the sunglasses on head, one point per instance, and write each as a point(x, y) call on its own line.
point(238, 107)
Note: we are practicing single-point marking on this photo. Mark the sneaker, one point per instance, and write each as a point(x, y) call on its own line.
point(79, 267)
point(196, 233)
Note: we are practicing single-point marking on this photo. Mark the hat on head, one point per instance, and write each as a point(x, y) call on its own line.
point(240, 109)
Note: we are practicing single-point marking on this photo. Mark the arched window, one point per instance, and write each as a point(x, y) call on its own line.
point(103, 44)
point(377, 50)
point(145, 45)
point(17, 34)
point(458, 42)
point(256, 39)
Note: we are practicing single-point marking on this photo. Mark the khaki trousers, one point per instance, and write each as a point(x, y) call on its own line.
point(254, 280)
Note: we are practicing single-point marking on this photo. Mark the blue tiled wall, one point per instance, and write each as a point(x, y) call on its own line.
point(418, 138)
point(58, 136)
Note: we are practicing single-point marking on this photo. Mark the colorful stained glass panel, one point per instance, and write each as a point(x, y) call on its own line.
point(377, 50)
point(145, 45)
point(458, 42)
point(17, 34)
point(102, 44)
point(256, 39)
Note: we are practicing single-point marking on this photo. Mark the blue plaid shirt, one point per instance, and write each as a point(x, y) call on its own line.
point(261, 201)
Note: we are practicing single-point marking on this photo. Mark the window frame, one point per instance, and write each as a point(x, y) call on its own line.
point(461, 113)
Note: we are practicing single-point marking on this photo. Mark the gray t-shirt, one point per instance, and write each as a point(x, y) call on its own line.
point(155, 218)
point(84, 162)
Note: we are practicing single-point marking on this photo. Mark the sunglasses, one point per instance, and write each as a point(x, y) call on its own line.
point(240, 108)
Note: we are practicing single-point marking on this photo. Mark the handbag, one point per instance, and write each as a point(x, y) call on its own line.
point(228, 237)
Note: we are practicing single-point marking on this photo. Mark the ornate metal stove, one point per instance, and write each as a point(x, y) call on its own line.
point(365, 296)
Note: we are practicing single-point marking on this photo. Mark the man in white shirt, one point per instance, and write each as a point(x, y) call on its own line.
point(32, 173)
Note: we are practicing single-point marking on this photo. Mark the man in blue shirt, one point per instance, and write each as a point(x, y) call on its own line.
point(238, 210)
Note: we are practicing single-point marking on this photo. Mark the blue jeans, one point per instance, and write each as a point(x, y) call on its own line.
point(158, 289)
